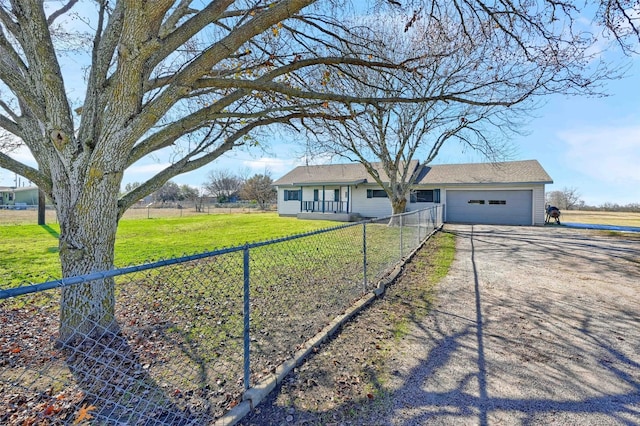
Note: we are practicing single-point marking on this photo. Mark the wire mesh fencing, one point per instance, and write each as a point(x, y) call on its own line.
point(187, 336)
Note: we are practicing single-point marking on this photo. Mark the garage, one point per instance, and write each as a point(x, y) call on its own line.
point(498, 207)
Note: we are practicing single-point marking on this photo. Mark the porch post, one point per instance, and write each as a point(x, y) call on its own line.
point(323, 196)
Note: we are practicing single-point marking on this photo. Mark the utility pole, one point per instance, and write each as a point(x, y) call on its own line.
point(41, 206)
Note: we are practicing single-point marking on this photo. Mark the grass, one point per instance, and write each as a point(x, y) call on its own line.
point(188, 318)
point(410, 305)
point(601, 218)
point(30, 252)
point(437, 264)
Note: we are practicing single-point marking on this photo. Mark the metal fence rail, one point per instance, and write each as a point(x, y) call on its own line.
point(194, 332)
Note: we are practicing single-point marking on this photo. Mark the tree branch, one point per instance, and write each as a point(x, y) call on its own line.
point(188, 163)
point(64, 9)
point(176, 37)
point(34, 175)
point(8, 124)
point(43, 67)
point(183, 82)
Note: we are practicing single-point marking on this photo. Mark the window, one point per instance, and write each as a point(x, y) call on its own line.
point(425, 196)
point(376, 193)
point(501, 202)
point(316, 196)
point(475, 202)
point(336, 195)
point(290, 195)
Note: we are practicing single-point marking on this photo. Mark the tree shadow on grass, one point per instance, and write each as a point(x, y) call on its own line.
point(55, 234)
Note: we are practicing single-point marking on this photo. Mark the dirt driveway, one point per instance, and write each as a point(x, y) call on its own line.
point(532, 326)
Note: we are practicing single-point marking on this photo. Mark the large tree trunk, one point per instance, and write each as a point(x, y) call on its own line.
point(398, 204)
point(88, 215)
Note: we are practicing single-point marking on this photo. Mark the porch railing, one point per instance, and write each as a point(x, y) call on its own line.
point(325, 206)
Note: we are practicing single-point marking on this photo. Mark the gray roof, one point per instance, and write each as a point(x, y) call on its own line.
point(333, 174)
point(25, 188)
point(527, 171)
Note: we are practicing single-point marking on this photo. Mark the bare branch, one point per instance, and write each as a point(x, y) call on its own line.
point(64, 9)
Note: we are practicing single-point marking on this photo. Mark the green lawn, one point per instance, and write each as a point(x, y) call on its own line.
point(29, 252)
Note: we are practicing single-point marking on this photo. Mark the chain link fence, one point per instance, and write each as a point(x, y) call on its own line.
point(194, 333)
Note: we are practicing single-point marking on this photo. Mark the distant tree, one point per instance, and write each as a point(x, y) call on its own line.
point(170, 191)
point(610, 207)
point(188, 192)
point(222, 184)
point(565, 199)
point(258, 188)
point(131, 186)
point(193, 194)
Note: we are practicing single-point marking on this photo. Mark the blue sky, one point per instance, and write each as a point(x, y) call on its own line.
point(591, 144)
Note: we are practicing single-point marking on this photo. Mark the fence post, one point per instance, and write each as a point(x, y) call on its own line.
point(401, 228)
point(419, 223)
point(246, 313)
point(364, 256)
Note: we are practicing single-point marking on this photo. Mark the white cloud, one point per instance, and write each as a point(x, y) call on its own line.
point(280, 166)
point(609, 154)
point(142, 172)
point(276, 166)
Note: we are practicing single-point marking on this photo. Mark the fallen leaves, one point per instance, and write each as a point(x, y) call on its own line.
point(83, 414)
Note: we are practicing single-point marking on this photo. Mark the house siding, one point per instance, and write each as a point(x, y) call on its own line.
point(289, 207)
point(352, 182)
point(538, 205)
point(369, 207)
point(29, 196)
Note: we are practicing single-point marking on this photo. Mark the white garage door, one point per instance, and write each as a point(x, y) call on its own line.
point(490, 207)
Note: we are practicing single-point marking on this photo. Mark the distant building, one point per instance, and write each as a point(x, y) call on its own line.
point(6, 196)
point(11, 196)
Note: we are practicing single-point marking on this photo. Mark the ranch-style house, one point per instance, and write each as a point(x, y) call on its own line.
point(507, 193)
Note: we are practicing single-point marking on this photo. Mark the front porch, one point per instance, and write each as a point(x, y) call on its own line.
point(338, 217)
point(325, 206)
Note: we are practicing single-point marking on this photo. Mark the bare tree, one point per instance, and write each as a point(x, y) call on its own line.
point(194, 195)
point(259, 188)
point(622, 19)
point(131, 186)
point(222, 184)
point(453, 59)
point(566, 199)
point(170, 191)
point(198, 79)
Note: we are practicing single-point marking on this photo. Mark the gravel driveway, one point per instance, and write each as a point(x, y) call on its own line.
point(532, 326)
